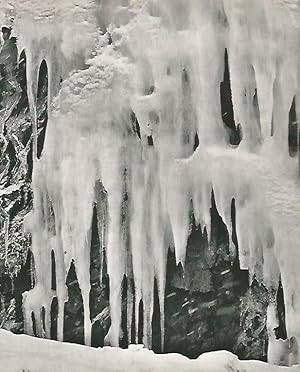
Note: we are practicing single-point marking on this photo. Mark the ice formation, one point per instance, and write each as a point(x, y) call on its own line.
point(126, 123)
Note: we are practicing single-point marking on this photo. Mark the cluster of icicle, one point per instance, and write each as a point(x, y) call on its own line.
point(127, 123)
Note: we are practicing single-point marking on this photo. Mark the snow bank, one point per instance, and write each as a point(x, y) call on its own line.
point(24, 353)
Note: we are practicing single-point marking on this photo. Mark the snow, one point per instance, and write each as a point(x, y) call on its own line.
point(24, 353)
point(165, 64)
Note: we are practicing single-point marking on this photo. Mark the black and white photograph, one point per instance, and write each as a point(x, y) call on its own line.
point(149, 185)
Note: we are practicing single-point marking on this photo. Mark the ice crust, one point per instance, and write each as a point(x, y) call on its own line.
point(160, 66)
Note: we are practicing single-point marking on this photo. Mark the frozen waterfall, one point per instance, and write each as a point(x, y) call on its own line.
point(140, 81)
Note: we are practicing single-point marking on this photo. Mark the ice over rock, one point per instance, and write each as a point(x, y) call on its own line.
point(128, 122)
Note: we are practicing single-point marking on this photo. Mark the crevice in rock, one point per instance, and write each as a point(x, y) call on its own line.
point(53, 317)
point(185, 76)
point(196, 142)
point(227, 106)
point(73, 311)
point(233, 223)
point(280, 331)
point(141, 322)
point(124, 334)
point(53, 271)
point(99, 294)
point(43, 316)
point(33, 324)
point(150, 140)
point(42, 106)
point(293, 130)
point(135, 125)
point(156, 331)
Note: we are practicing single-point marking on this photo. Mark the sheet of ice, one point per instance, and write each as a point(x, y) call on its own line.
point(154, 84)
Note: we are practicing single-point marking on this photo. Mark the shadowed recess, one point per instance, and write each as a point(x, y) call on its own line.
point(227, 107)
point(42, 106)
point(73, 313)
point(293, 130)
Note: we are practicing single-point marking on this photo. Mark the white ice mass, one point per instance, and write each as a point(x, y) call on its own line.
point(140, 79)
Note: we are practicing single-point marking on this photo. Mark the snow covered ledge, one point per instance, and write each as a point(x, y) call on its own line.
point(30, 354)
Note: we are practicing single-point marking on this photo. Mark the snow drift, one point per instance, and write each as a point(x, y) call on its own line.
point(35, 355)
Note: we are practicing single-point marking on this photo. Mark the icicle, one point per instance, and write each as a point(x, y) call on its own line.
point(265, 81)
point(159, 244)
point(179, 209)
point(111, 177)
point(148, 299)
point(61, 288)
point(32, 272)
point(137, 315)
point(53, 79)
point(130, 298)
point(161, 297)
point(102, 221)
point(82, 266)
point(28, 327)
point(60, 319)
point(137, 235)
point(47, 312)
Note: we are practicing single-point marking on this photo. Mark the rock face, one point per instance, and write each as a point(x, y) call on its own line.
point(16, 196)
